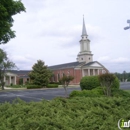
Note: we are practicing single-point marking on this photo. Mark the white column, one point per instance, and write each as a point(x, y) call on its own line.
point(98, 71)
point(93, 71)
point(14, 80)
point(88, 72)
point(9, 80)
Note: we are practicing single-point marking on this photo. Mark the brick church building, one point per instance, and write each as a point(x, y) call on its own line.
point(84, 66)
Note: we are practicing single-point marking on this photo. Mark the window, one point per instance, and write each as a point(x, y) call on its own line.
point(81, 58)
point(89, 58)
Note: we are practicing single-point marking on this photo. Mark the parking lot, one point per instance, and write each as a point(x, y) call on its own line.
point(33, 95)
point(38, 95)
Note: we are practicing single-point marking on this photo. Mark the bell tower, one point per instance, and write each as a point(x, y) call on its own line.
point(85, 53)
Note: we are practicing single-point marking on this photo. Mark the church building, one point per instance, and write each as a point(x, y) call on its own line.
point(84, 66)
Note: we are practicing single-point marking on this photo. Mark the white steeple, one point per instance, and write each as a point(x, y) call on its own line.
point(84, 32)
point(85, 53)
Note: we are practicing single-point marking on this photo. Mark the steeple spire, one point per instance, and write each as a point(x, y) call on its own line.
point(84, 32)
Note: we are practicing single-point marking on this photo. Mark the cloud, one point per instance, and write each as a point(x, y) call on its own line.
point(104, 59)
point(121, 60)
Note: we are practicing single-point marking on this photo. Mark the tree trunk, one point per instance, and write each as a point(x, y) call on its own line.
point(2, 84)
point(66, 93)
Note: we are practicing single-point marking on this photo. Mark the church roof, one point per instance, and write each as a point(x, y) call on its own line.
point(66, 65)
point(20, 72)
point(88, 64)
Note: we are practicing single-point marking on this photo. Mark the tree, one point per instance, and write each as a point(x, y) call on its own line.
point(5, 65)
point(40, 74)
point(106, 81)
point(65, 80)
point(8, 8)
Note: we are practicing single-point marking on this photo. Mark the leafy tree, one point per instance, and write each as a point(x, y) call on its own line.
point(5, 65)
point(40, 74)
point(8, 8)
point(106, 81)
point(65, 80)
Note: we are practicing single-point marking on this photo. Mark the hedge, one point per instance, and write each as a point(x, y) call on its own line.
point(79, 113)
point(52, 86)
point(91, 82)
point(55, 83)
point(33, 86)
point(98, 92)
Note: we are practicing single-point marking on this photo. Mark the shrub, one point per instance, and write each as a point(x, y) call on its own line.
point(108, 81)
point(33, 86)
point(97, 92)
point(120, 93)
point(21, 81)
point(55, 83)
point(52, 86)
point(116, 83)
point(89, 82)
point(17, 86)
point(77, 113)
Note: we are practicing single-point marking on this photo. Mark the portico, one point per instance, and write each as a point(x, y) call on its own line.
point(91, 71)
point(10, 78)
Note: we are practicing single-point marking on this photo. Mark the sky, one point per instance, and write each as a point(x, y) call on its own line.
point(50, 30)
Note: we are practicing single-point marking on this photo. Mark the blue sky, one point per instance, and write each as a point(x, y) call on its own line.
point(51, 31)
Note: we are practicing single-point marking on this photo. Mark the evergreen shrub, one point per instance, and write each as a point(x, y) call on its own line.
point(33, 86)
point(96, 92)
point(116, 84)
point(52, 86)
point(120, 93)
point(89, 82)
point(78, 113)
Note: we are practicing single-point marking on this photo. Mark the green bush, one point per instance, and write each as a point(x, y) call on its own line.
point(21, 81)
point(17, 86)
point(79, 113)
point(97, 92)
point(33, 86)
point(52, 86)
point(120, 93)
point(89, 82)
point(55, 83)
point(116, 84)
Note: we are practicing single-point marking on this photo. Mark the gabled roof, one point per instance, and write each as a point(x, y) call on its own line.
point(90, 63)
point(66, 65)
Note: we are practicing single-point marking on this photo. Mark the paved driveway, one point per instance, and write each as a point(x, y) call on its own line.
point(33, 95)
point(38, 95)
point(125, 85)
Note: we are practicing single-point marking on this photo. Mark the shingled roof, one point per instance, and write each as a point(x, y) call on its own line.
point(66, 65)
point(88, 64)
point(20, 72)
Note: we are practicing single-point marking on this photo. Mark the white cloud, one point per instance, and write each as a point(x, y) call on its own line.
point(51, 31)
point(104, 59)
point(121, 60)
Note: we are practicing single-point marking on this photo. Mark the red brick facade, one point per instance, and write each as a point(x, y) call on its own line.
point(76, 73)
